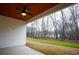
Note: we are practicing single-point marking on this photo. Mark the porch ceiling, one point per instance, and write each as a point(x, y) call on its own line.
point(9, 9)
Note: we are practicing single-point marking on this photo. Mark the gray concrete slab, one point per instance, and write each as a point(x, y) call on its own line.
point(19, 50)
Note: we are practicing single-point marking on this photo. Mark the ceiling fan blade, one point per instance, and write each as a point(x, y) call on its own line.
point(19, 10)
point(29, 13)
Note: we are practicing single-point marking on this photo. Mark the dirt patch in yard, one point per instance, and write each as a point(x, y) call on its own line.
point(53, 49)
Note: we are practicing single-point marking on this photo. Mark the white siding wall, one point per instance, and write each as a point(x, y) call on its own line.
point(12, 32)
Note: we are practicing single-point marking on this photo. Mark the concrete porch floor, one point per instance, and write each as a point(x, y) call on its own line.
point(19, 50)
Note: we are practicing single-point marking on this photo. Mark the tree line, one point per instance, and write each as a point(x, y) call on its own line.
point(61, 25)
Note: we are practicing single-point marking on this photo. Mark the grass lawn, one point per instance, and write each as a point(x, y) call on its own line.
point(55, 42)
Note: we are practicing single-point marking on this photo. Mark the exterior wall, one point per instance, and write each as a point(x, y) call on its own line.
point(12, 32)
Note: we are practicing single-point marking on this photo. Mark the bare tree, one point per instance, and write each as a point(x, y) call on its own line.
point(73, 11)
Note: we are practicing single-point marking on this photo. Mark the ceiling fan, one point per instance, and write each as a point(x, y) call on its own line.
point(24, 11)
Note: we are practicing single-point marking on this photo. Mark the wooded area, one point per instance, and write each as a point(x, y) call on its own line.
point(61, 25)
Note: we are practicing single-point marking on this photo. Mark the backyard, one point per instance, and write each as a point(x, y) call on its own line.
point(53, 47)
point(56, 33)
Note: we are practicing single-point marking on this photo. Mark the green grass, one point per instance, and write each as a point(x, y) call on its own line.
point(55, 42)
